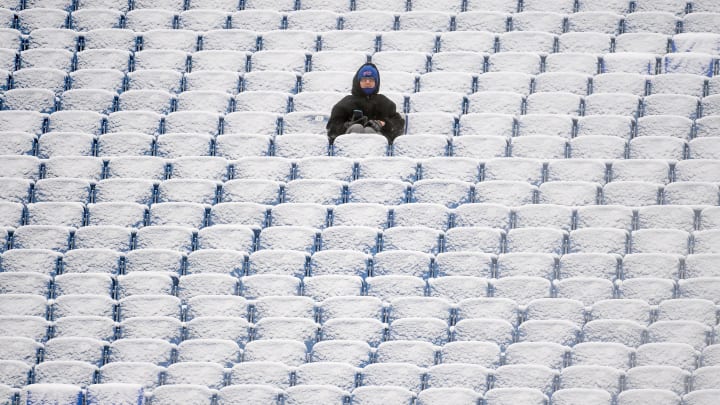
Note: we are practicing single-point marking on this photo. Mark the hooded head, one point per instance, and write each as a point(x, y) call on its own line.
point(370, 78)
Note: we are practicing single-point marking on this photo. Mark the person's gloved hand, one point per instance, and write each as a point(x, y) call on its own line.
point(375, 125)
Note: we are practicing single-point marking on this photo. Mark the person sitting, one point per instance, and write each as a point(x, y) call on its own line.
point(365, 110)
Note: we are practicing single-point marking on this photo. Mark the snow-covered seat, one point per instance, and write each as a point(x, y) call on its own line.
point(122, 39)
point(258, 191)
point(570, 82)
point(642, 42)
point(144, 122)
point(102, 101)
point(203, 19)
point(370, 20)
point(603, 378)
point(526, 264)
point(318, 20)
point(43, 261)
point(105, 58)
point(428, 101)
point(438, 81)
point(605, 125)
point(488, 308)
point(31, 19)
point(188, 190)
point(632, 193)
point(62, 189)
point(181, 39)
point(630, 309)
point(467, 62)
point(528, 376)
point(497, 331)
point(612, 104)
point(416, 215)
point(42, 237)
point(178, 145)
point(572, 62)
point(539, 146)
point(474, 239)
point(55, 213)
point(288, 39)
point(500, 396)
point(147, 19)
point(290, 352)
point(414, 62)
point(608, 354)
point(95, 393)
point(576, 193)
point(153, 327)
point(546, 123)
point(506, 192)
point(328, 81)
point(390, 192)
point(161, 260)
point(164, 59)
point(218, 75)
point(46, 78)
point(585, 289)
point(165, 306)
point(660, 241)
point(668, 354)
point(269, 101)
point(429, 141)
point(676, 104)
point(458, 288)
point(29, 327)
point(661, 265)
point(353, 352)
point(155, 79)
point(125, 190)
point(567, 396)
point(145, 283)
point(549, 21)
point(247, 394)
point(626, 332)
point(651, 290)
point(127, 214)
point(224, 352)
point(361, 214)
point(408, 40)
point(485, 354)
point(25, 305)
point(51, 392)
point(557, 309)
point(425, 20)
point(353, 238)
point(288, 60)
point(168, 394)
point(700, 397)
point(394, 286)
point(558, 331)
point(98, 327)
point(360, 146)
point(204, 100)
point(145, 374)
point(527, 41)
point(90, 122)
point(85, 19)
point(367, 330)
point(648, 170)
point(585, 42)
point(629, 62)
point(658, 21)
point(603, 21)
point(101, 79)
point(339, 375)
point(16, 190)
point(450, 193)
point(40, 100)
point(256, 19)
point(421, 354)
point(668, 378)
point(407, 376)
point(687, 62)
point(520, 62)
point(546, 354)
point(496, 102)
point(703, 21)
point(657, 147)
point(376, 395)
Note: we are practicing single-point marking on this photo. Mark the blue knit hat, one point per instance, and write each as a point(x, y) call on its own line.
point(369, 71)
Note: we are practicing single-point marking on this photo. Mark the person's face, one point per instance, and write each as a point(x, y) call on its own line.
point(367, 83)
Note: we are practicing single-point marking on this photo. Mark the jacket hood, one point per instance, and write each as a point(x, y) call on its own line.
point(356, 90)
